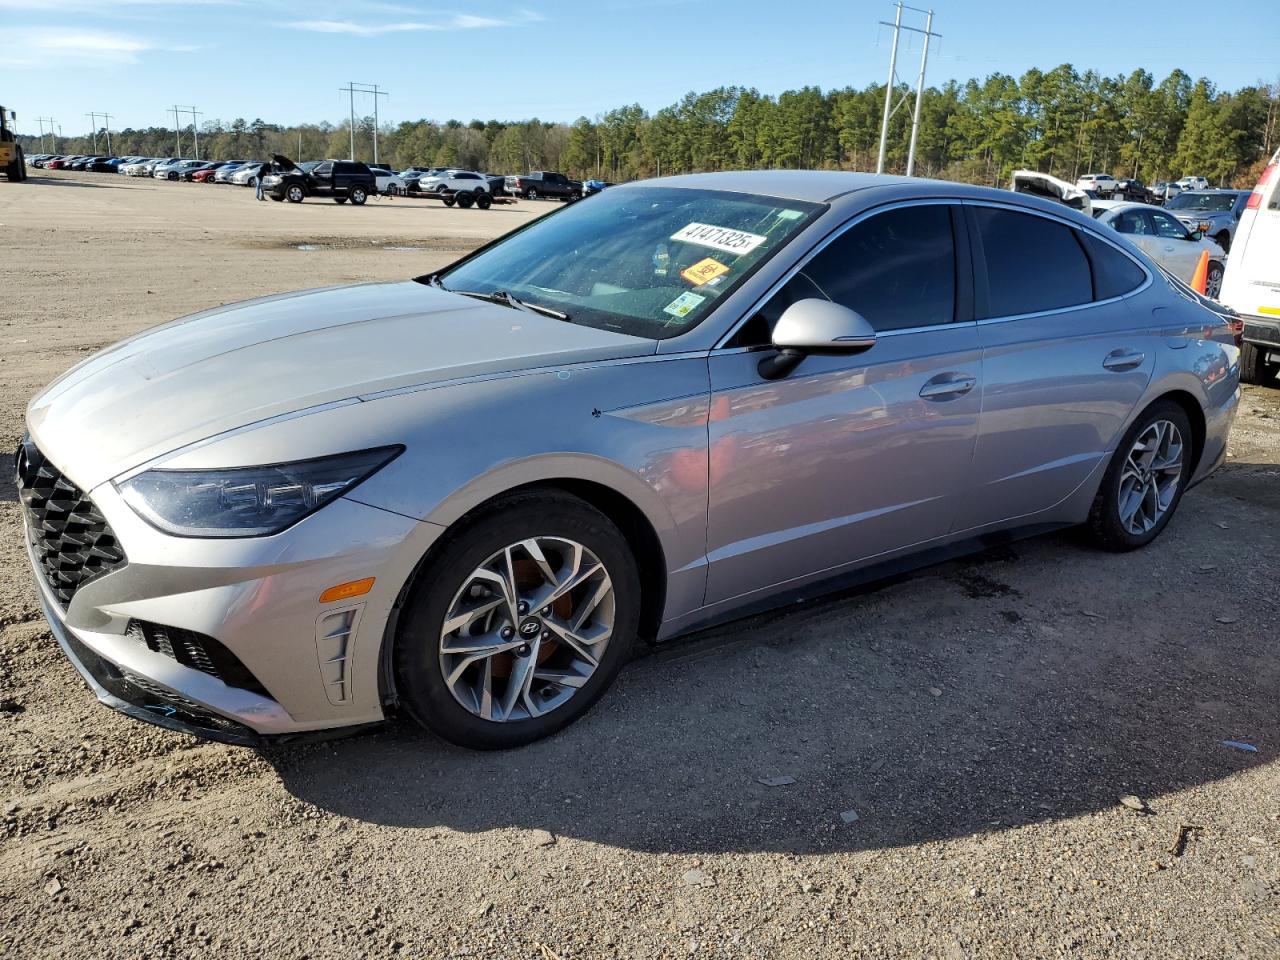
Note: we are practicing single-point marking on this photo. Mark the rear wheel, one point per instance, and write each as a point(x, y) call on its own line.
point(522, 622)
point(531, 194)
point(448, 201)
point(339, 199)
point(1145, 480)
point(465, 200)
point(484, 201)
point(358, 196)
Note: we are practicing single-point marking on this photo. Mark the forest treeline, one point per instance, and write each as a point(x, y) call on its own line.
point(1062, 121)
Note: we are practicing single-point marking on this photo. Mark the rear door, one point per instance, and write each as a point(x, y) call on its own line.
point(1252, 281)
point(1064, 359)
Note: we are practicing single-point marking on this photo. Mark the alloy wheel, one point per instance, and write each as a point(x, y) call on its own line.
point(1150, 478)
point(1213, 283)
point(527, 629)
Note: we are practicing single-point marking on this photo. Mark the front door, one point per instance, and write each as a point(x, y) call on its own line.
point(848, 457)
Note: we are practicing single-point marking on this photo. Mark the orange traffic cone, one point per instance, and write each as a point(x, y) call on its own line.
point(1200, 279)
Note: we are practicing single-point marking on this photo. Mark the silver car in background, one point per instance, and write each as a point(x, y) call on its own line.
point(468, 496)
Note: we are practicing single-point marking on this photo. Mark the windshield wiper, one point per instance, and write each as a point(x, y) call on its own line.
point(499, 296)
point(506, 299)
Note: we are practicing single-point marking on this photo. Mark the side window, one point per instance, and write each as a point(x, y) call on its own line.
point(896, 268)
point(1114, 274)
point(1033, 263)
point(1166, 226)
point(324, 169)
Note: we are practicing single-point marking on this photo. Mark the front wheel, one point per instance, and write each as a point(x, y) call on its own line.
point(448, 201)
point(295, 193)
point(484, 201)
point(522, 621)
point(1145, 480)
point(465, 200)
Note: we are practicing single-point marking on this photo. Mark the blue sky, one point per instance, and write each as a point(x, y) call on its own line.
point(555, 59)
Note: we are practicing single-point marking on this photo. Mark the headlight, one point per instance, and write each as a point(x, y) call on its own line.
point(270, 181)
point(247, 501)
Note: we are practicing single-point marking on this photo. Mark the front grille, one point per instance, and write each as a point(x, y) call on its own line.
point(197, 651)
point(71, 540)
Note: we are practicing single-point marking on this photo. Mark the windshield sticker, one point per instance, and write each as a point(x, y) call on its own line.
point(719, 238)
point(704, 271)
point(683, 305)
point(789, 214)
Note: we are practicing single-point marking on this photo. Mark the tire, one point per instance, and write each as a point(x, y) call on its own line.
point(531, 194)
point(295, 193)
point(1254, 367)
point(420, 660)
point(1107, 518)
point(1213, 280)
point(1223, 240)
point(358, 196)
point(465, 200)
point(484, 201)
point(275, 198)
point(448, 201)
point(339, 199)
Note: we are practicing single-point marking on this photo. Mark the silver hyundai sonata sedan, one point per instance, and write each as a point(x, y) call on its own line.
point(469, 495)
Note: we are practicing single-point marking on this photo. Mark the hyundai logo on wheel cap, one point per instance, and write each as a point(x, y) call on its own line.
point(530, 628)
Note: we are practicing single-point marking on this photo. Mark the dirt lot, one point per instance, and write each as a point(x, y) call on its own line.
point(981, 718)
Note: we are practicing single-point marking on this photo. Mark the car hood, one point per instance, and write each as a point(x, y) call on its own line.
point(231, 366)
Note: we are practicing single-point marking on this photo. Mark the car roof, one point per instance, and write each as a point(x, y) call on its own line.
point(824, 186)
point(1230, 190)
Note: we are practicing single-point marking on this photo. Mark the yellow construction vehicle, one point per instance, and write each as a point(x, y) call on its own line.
point(11, 160)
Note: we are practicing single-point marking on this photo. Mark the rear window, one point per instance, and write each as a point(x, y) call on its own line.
point(1033, 264)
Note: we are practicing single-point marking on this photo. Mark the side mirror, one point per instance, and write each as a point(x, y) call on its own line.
point(815, 326)
point(1195, 235)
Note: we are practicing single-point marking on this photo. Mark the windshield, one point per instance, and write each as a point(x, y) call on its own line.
point(1210, 202)
point(644, 261)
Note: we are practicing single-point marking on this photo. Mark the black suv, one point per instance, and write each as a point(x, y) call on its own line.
point(342, 180)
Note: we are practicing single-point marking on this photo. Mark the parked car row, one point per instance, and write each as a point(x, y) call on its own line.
point(293, 182)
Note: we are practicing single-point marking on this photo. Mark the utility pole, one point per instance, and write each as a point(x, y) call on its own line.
point(351, 91)
point(352, 88)
point(195, 132)
point(889, 107)
point(50, 121)
point(177, 133)
point(106, 120)
point(915, 120)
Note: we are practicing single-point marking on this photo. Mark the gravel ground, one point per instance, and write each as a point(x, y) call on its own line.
point(942, 756)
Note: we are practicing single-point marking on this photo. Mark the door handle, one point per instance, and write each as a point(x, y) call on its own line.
point(1123, 360)
point(947, 386)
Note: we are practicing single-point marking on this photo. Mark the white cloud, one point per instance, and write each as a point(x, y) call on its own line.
point(456, 22)
point(43, 46)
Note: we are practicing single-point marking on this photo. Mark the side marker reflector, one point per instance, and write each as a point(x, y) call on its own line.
point(345, 591)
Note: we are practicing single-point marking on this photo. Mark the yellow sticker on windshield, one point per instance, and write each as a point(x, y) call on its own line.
point(704, 271)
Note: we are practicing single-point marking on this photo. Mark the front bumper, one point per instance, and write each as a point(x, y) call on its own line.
point(316, 667)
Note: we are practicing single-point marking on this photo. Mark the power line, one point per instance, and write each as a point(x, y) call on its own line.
point(50, 121)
